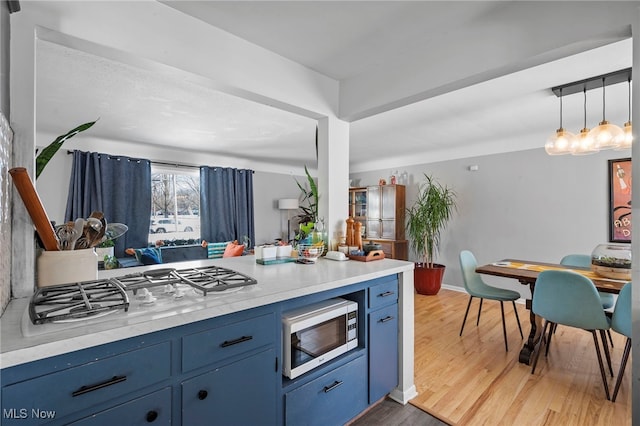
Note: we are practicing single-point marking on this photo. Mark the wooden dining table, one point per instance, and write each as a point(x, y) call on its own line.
point(526, 272)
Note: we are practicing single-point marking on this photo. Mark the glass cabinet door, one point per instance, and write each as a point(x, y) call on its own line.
point(387, 202)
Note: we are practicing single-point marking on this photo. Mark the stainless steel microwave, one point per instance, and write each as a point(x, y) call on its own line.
point(317, 333)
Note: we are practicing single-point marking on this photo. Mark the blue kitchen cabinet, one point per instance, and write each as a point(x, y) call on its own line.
point(331, 399)
point(221, 371)
point(383, 339)
point(239, 393)
point(383, 351)
point(55, 397)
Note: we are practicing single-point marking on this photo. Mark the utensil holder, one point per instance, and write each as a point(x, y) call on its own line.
point(67, 266)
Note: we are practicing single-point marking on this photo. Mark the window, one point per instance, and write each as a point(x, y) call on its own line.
point(175, 203)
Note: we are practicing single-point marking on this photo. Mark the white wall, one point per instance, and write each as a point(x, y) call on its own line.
point(270, 223)
point(520, 205)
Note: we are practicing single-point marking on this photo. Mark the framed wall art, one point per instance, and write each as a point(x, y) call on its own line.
point(620, 200)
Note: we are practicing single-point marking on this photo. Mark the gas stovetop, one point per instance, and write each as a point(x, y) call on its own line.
point(151, 290)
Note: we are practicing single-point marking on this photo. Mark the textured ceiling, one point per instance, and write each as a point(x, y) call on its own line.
point(441, 58)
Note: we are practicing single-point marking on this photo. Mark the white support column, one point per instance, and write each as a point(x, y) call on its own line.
point(333, 175)
point(406, 389)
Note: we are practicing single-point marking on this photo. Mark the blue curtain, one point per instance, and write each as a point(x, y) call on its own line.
point(226, 204)
point(120, 187)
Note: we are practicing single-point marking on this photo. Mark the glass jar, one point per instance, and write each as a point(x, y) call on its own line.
point(612, 260)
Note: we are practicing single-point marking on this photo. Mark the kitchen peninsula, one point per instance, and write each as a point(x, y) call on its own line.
point(156, 359)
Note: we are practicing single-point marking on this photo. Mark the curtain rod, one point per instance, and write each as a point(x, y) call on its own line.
point(160, 163)
point(172, 164)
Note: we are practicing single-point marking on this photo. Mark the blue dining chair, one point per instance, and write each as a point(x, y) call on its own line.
point(621, 323)
point(584, 261)
point(476, 287)
point(571, 299)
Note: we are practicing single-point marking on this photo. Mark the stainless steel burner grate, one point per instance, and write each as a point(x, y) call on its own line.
point(78, 300)
point(205, 279)
point(88, 299)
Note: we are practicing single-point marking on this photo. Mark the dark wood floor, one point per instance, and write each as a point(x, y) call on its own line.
point(391, 413)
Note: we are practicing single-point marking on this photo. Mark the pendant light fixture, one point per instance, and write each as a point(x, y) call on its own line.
point(626, 139)
point(606, 135)
point(583, 143)
point(560, 142)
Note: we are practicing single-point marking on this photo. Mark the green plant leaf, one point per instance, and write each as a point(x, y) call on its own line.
point(311, 197)
point(50, 150)
point(428, 216)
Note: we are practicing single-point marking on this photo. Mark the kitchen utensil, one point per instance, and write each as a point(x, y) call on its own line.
point(92, 232)
point(34, 206)
point(94, 229)
point(78, 226)
point(113, 231)
point(66, 235)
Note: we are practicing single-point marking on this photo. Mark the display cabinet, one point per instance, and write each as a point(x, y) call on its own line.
point(381, 210)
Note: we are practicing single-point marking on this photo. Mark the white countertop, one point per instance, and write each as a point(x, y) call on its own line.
point(276, 283)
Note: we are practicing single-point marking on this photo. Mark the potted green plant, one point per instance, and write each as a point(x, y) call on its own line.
point(309, 215)
point(427, 217)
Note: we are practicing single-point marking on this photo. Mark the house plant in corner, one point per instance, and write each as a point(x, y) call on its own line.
point(427, 217)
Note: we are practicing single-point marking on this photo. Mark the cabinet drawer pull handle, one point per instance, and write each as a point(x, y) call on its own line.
point(333, 386)
point(386, 293)
point(235, 341)
point(87, 389)
point(202, 395)
point(152, 416)
point(385, 319)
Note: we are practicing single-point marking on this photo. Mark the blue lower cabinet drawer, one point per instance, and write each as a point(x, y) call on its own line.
point(150, 409)
point(331, 399)
point(383, 294)
point(227, 341)
point(78, 388)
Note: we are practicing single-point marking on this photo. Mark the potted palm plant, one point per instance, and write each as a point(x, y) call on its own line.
point(427, 217)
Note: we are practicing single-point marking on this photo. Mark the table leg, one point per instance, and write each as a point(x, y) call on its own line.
point(529, 348)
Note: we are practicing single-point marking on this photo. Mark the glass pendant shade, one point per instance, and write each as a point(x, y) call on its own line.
point(584, 144)
point(560, 142)
point(606, 135)
point(626, 139)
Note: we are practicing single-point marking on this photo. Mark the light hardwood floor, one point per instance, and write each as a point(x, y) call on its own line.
point(471, 380)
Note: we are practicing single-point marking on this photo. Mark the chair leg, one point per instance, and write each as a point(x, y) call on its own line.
point(466, 313)
point(602, 373)
point(517, 319)
point(610, 338)
point(537, 352)
point(623, 365)
point(504, 327)
point(479, 311)
point(606, 351)
point(552, 330)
